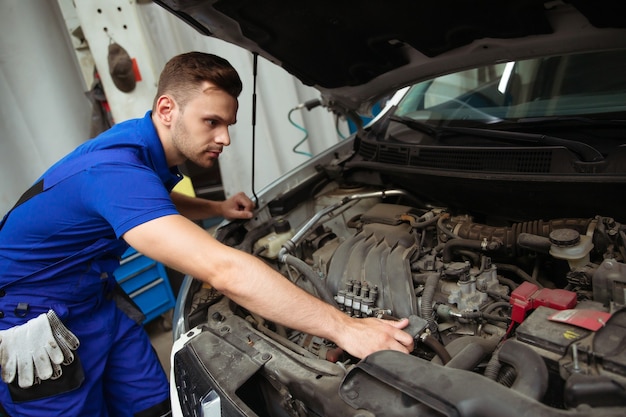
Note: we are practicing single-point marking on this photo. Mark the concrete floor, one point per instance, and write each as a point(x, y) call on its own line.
point(159, 329)
point(161, 338)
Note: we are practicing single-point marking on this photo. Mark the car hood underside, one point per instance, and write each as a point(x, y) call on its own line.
point(355, 51)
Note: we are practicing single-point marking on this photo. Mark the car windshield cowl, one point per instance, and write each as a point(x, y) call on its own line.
point(585, 152)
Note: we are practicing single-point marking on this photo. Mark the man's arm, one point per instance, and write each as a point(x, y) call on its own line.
point(182, 245)
point(239, 206)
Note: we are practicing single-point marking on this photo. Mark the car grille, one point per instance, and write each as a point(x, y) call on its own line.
point(191, 383)
point(519, 160)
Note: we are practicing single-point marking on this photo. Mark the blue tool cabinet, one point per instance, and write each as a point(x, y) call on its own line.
point(146, 282)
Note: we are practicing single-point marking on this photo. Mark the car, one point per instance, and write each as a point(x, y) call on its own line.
point(485, 202)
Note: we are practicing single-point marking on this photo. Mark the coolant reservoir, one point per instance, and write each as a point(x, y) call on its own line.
point(570, 245)
point(274, 241)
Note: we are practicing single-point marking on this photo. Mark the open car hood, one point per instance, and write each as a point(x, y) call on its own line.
point(356, 52)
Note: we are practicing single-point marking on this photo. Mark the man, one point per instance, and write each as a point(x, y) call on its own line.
point(59, 247)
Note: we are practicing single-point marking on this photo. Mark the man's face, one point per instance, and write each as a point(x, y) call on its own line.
point(200, 130)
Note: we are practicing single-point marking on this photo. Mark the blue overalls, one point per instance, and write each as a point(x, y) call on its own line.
point(58, 250)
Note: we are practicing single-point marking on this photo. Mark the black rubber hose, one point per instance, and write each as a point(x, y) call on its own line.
point(508, 282)
point(306, 270)
point(438, 348)
point(532, 372)
point(493, 366)
point(426, 309)
point(468, 358)
point(519, 272)
point(480, 315)
point(454, 244)
point(442, 228)
point(535, 243)
point(493, 306)
point(507, 376)
point(254, 235)
point(455, 346)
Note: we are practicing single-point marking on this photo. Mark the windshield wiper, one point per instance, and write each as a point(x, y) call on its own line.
point(586, 152)
point(416, 125)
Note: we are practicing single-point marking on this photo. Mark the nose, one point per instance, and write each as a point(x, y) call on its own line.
point(223, 137)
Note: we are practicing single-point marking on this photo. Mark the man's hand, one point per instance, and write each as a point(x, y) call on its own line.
point(35, 350)
point(239, 206)
point(366, 336)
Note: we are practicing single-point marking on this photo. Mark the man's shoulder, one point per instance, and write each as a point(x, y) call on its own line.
point(131, 133)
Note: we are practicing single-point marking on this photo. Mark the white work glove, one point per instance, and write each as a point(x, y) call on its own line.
point(36, 349)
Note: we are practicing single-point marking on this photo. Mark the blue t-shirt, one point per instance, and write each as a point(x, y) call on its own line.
point(62, 244)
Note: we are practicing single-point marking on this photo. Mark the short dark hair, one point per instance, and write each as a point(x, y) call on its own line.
point(185, 72)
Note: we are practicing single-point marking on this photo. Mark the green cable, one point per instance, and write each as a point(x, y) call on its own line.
point(306, 134)
point(341, 135)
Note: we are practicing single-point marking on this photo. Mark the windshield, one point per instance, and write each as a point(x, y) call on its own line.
point(580, 85)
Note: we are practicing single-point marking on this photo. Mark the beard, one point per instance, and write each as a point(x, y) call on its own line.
point(181, 139)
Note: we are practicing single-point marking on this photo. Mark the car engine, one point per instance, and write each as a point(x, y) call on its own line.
point(535, 307)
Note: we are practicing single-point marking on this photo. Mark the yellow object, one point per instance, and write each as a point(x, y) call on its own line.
point(185, 186)
point(273, 243)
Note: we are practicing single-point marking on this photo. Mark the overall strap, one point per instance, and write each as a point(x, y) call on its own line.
point(71, 168)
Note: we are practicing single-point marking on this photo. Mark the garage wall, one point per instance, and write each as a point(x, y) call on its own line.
point(44, 112)
point(44, 78)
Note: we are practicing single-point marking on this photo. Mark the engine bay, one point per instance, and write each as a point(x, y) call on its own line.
point(535, 307)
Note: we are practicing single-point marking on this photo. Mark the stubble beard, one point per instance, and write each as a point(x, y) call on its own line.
point(183, 143)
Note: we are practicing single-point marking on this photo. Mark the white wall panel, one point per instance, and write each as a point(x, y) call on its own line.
point(44, 112)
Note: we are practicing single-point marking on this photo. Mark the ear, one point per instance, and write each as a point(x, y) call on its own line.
point(164, 109)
